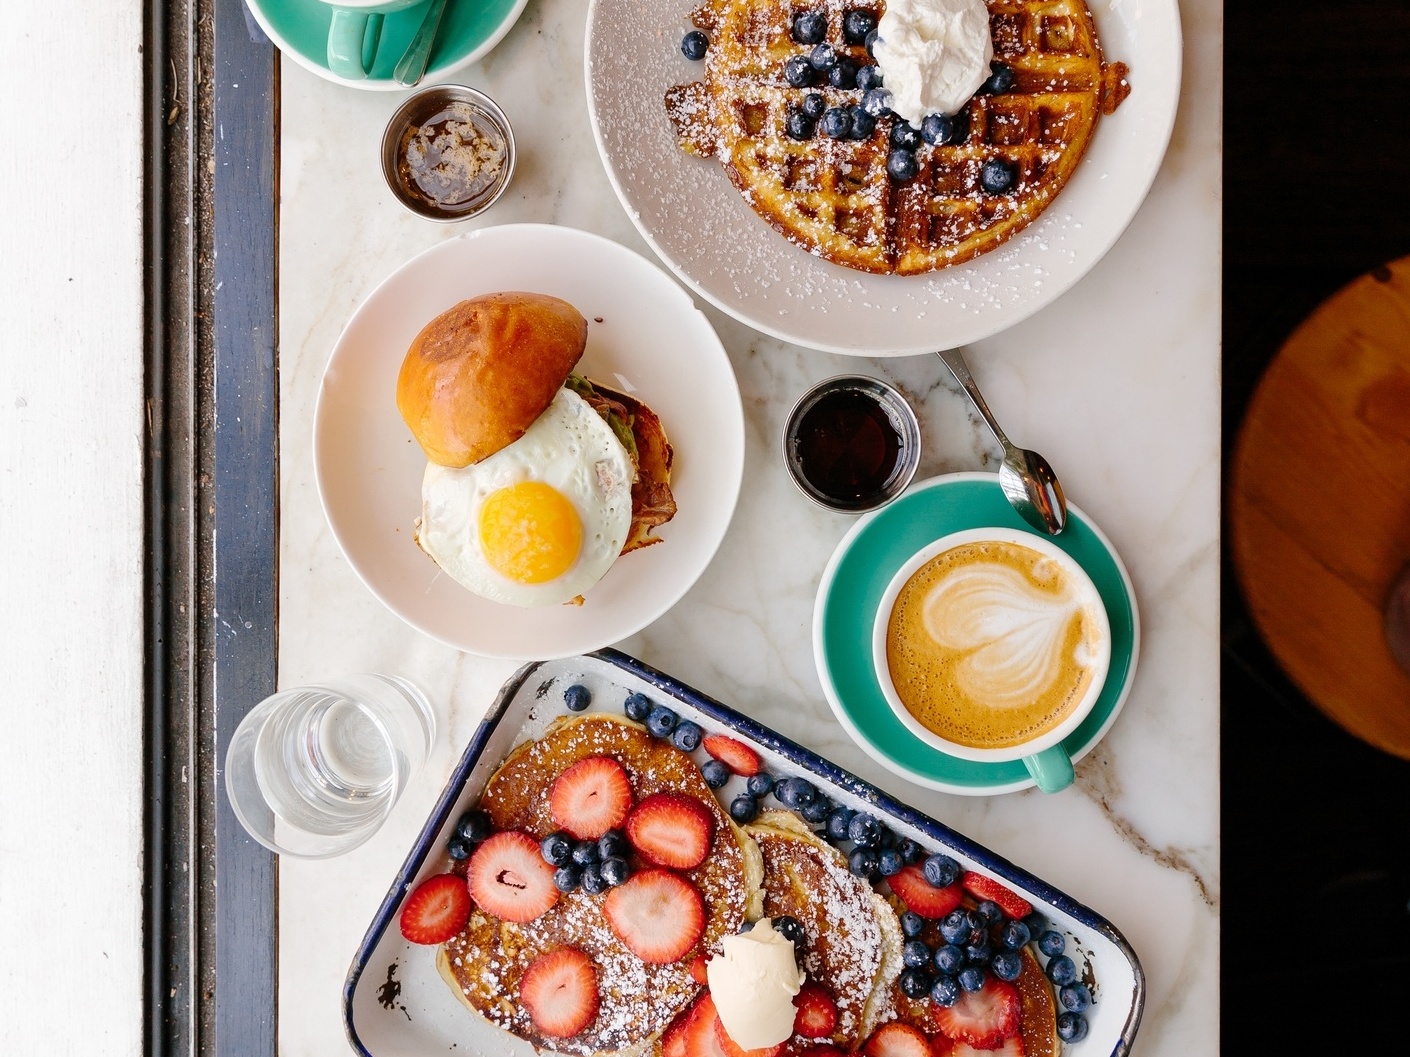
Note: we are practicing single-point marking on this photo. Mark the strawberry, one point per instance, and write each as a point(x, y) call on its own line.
point(436, 910)
point(817, 1012)
point(735, 755)
point(657, 914)
point(671, 829)
point(673, 1039)
point(591, 797)
point(982, 887)
point(983, 1018)
point(559, 990)
point(943, 1047)
point(730, 1048)
point(897, 1040)
point(508, 877)
point(700, 1037)
point(697, 971)
point(920, 896)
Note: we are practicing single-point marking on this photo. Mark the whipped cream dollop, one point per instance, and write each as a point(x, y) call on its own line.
point(933, 54)
point(753, 981)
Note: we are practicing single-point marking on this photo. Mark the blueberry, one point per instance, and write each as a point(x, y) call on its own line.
point(909, 851)
point(862, 862)
point(791, 929)
point(901, 165)
point(856, 24)
point(915, 953)
point(915, 983)
point(869, 77)
point(661, 721)
point(637, 707)
point(877, 101)
point(1014, 935)
point(585, 853)
point(864, 830)
point(959, 131)
point(823, 57)
point(556, 849)
point(798, 71)
point(971, 978)
point(954, 927)
point(844, 74)
point(816, 810)
point(577, 698)
point(976, 920)
point(1000, 80)
point(744, 926)
point(474, 826)
point(978, 953)
point(1075, 997)
point(945, 991)
point(744, 808)
point(458, 848)
point(991, 912)
point(614, 871)
point(592, 880)
point(904, 135)
point(798, 125)
point(889, 863)
point(997, 175)
point(687, 735)
point(1071, 1027)
point(1051, 943)
point(940, 870)
point(612, 845)
point(870, 43)
point(1061, 970)
point(715, 773)
point(796, 792)
point(813, 105)
point(809, 27)
point(837, 823)
point(936, 128)
point(567, 877)
point(762, 784)
point(912, 924)
point(1007, 965)
point(693, 45)
point(949, 959)
point(863, 124)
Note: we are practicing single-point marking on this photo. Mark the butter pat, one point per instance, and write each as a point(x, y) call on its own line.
point(753, 982)
point(933, 54)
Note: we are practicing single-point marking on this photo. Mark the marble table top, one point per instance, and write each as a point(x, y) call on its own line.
point(1117, 383)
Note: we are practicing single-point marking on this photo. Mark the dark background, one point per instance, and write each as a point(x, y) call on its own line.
point(1316, 872)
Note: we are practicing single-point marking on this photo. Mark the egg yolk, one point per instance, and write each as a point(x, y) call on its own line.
point(530, 532)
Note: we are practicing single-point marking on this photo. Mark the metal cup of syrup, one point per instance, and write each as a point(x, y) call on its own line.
point(851, 443)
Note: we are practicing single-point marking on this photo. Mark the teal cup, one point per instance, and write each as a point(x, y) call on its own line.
point(1006, 633)
point(355, 32)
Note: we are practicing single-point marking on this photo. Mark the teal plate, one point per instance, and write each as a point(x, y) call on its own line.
point(469, 29)
point(850, 592)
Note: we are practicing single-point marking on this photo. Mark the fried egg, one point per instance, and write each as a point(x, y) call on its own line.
point(541, 520)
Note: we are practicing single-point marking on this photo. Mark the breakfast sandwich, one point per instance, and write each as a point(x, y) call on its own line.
point(538, 479)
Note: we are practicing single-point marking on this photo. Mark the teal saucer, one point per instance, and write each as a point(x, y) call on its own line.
point(469, 29)
point(850, 592)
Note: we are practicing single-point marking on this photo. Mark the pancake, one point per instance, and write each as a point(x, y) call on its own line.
point(486, 962)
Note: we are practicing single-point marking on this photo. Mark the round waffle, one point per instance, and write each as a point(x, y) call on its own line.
point(833, 197)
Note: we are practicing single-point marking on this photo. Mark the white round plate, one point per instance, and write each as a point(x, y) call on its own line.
point(692, 216)
point(645, 337)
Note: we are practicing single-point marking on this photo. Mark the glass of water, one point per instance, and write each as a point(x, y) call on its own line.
point(313, 771)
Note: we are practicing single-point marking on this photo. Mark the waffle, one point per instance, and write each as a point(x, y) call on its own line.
point(833, 197)
point(484, 964)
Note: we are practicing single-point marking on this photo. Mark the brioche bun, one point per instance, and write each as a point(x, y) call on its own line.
point(478, 375)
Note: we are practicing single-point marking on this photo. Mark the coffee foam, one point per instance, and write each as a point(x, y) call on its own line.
point(993, 644)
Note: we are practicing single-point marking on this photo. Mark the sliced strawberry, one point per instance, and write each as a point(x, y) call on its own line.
point(734, 754)
point(700, 1037)
point(920, 896)
point(509, 879)
point(817, 1012)
point(897, 1040)
point(983, 887)
point(983, 1018)
point(436, 910)
point(697, 970)
point(657, 914)
point(591, 797)
point(943, 1047)
point(730, 1048)
point(671, 829)
point(673, 1039)
point(559, 990)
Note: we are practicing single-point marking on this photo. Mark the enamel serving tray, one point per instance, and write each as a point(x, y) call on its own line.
point(396, 1005)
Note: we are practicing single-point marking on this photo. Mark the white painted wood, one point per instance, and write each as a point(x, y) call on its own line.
point(71, 527)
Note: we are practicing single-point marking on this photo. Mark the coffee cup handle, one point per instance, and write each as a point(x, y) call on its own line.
point(352, 43)
point(1051, 769)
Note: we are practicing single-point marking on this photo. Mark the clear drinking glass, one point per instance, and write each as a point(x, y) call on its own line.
point(313, 771)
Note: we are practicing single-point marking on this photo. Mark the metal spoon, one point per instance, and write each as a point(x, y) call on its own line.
point(1028, 481)
point(411, 67)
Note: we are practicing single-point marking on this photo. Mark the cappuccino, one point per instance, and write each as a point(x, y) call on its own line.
point(992, 645)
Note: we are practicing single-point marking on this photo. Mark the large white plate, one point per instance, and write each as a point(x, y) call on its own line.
point(692, 216)
point(645, 336)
